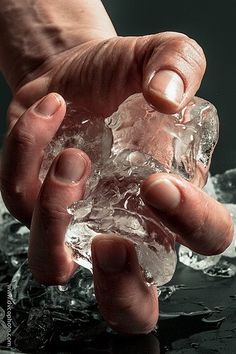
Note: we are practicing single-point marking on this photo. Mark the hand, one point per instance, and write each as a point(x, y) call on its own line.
point(125, 301)
point(98, 75)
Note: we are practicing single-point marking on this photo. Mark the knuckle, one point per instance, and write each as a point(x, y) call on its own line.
point(190, 53)
point(22, 139)
point(47, 278)
point(51, 210)
point(153, 44)
point(197, 48)
point(12, 190)
point(198, 230)
point(170, 35)
point(16, 200)
point(176, 50)
point(196, 55)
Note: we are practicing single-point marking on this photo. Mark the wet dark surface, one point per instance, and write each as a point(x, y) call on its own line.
point(213, 333)
point(199, 317)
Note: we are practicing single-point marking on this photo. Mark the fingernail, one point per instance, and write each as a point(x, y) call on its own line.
point(163, 195)
point(70, 168)
point(111, 256)
point(169, 85)
point(48, 105)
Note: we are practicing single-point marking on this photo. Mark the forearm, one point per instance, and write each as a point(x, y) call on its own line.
point(33, 30)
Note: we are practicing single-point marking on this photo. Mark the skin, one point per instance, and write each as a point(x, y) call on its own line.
point(72, 51)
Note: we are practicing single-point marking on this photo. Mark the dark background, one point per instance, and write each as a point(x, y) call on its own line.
point(212, 24)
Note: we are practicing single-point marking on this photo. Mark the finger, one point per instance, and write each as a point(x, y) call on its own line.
point(166, 67)
point(174, 72)
point(126, 302)
point(25, 97)
point(50, 260)
point(200, 222)
point(23, 153)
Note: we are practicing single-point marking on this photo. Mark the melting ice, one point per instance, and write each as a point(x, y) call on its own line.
point(125, 148)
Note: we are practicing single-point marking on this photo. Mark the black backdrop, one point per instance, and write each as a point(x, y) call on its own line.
point(213, 25)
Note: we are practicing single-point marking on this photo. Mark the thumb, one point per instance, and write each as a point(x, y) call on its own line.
point(166, 67)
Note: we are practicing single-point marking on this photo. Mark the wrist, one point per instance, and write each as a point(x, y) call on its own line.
point(34, 31)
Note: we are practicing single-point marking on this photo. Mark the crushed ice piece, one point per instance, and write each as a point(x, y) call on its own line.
point(125, 148)
point(166, 291)
point(36, 331)
point(223, 269)
point(13, 235)
point(225, 186)
point(77, 294)
point(196, 261)
point(231, 250)
point(209, 188)
point(68, 312)
point(2, 313)
point(3, 327)
point(3, 331)
point(222, 187)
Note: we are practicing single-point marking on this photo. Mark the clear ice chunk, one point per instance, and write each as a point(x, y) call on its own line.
point(209, 188)
point(225, 186)
point(231, 250)
point(35, 332)
point(223, 269)
point(125, 148)
point(166, 291)
point(2, 313)
point(196, 261)
point(3, 331)
point(69, 312)
point(78, 294)
point(13, 235)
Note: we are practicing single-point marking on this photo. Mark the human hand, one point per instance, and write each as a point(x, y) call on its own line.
point(96, 76)
point(200, 223)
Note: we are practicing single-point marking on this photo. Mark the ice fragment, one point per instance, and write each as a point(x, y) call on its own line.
point(223, 269)
point(3, 331)
point(195, 260)
point(225, 186)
